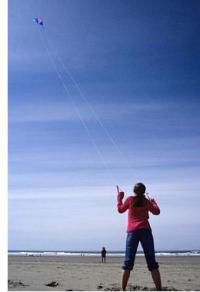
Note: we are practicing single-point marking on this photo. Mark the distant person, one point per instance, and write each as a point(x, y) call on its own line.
point(103, 255)
point(139, 230)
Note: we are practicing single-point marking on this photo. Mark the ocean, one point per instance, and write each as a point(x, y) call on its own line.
point(97, 253)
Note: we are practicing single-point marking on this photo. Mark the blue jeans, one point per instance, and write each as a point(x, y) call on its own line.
point(145, 237)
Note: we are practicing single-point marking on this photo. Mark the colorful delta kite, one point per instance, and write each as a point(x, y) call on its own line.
point(38, 20)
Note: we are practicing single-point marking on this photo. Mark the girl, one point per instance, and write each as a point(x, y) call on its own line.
point(139, 230)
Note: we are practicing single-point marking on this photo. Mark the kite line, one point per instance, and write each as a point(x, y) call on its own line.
point(66, 89)
point(83, 97)
point(85, 100)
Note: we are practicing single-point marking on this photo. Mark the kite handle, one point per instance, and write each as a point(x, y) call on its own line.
point(119, 190)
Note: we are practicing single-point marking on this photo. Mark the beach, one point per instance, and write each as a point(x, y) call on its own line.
point(87, 273)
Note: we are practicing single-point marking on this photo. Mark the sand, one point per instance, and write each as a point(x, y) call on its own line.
point(89, 274)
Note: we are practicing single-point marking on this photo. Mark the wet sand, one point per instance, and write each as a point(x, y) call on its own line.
point(34, 273)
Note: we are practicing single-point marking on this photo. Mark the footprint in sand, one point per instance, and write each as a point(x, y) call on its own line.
point(16, 284)
point(52, 284)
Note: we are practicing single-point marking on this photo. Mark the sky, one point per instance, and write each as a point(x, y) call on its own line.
point(106, 93)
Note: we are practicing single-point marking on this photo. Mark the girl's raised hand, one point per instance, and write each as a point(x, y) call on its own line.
point(120, 192)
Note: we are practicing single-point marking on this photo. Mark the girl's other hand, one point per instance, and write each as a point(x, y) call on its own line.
point(149, 198)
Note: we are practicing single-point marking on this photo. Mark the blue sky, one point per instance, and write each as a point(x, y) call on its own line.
point(106, 93)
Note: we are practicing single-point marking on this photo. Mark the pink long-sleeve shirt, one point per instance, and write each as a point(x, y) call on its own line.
point(137, 216)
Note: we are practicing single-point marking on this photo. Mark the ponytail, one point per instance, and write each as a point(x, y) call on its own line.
point(139, 190)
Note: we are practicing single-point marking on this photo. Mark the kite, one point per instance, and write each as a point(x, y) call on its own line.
point(38, 20)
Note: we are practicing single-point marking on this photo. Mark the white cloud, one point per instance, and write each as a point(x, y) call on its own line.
point(63, 111)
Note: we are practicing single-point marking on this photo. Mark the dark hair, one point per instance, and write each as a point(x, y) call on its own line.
point(139, 189)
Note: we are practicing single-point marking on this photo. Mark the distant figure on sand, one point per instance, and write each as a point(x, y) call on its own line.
point(139, 230)
point(103, 255)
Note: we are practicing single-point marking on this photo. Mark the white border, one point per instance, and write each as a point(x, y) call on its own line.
point(3, 144)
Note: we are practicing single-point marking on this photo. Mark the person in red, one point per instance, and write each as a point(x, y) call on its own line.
point(139, 230)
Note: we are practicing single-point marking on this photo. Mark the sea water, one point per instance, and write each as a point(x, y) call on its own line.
point(97, 253)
